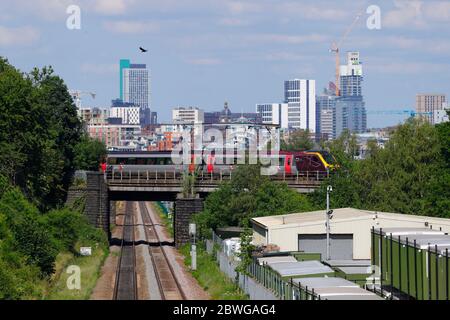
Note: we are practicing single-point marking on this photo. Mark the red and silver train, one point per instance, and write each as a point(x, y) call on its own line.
point(288, 162)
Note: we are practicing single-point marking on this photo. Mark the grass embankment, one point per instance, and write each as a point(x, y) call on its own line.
point(166, 220)
point(90, 267)
point(209, 276)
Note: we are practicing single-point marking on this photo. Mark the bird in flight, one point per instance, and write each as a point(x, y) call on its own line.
point(142, 49)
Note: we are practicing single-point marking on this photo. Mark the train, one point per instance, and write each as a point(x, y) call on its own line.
point(290, 162)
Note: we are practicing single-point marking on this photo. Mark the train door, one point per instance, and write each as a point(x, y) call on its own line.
point(210, 164)
point(288, 163)
point(192, 165)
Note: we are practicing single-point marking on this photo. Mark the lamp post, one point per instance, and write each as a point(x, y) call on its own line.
point(328, 214)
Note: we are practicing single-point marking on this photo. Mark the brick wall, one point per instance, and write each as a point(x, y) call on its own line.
point(184, 209)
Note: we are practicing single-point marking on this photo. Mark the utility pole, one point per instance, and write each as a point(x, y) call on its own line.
point(192, 233)
point(329, 216)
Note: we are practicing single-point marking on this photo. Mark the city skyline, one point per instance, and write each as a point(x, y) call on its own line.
point(234, 51)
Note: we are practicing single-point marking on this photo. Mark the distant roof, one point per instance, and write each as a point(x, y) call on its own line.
point(324, 282)
point(311, 217)
point(346, 214)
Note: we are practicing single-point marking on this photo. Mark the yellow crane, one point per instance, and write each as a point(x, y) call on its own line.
point(335, 48)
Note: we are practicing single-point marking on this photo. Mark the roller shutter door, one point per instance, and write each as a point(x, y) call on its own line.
point(341, 245)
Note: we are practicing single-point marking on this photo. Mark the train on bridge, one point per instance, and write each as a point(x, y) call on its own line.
point(289, 162)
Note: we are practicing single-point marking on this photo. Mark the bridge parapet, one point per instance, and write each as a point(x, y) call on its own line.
point(167, 181)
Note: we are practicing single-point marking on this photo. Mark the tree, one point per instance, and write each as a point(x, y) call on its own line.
point(39, 130)
point(409, 175)
point(248, 195)
point(89, 153)
point(298, 140)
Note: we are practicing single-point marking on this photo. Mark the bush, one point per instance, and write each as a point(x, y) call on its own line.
point(34, 241)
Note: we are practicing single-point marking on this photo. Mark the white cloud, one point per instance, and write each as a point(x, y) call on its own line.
point(22, 36)
point(112, 7)
point(284, 39)
point(99, 68)
point(131, 27)
point(387, 67)
point(204, 61)
point(417, 14)
point(234, 22)
point(438, 11)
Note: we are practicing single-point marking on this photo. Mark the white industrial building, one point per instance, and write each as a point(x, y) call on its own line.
point(350, 231)
point(441, 115)
point(274, 113)
point(188, 115)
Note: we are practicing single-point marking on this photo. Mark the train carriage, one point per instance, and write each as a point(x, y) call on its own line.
point(289, 163)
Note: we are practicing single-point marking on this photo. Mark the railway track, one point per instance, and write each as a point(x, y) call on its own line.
point(169, 287)
point(126, 280)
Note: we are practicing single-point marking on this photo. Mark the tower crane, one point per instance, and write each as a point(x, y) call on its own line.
point(76, 96)
point(335, 48)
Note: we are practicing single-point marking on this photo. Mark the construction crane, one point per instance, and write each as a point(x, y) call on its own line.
point(335, 48)
point(410, 113)
point(76, 96)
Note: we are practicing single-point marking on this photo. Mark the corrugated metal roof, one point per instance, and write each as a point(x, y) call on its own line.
point(410, 231)
point(354, 297)
point(423, 240)
point(271, 260)
point(343, 293)
point(313, 216)
point(342, 214)
point(287, 269)
point(348, 263)
point(356, 270)
point(324, 282)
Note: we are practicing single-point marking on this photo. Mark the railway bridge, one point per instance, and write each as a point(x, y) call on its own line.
point(104, 189)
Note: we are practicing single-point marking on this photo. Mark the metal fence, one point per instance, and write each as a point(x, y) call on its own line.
point(149, 176)
point(261, 277)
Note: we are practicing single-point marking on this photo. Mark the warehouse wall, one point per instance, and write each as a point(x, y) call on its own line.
point(286, 236)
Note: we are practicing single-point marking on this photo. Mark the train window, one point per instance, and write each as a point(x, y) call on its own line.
point(169, 161)
point(151, 161)
point(112, 161)
point(130, 161)
point(281, 161)
point(141, 161)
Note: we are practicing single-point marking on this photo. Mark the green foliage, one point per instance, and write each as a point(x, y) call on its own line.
point(246, 251)
point(30, 242)
point(248, 195)
point(40, 134)
point(89, 153)
point(209, 276)
point(298, 141)
point(188, 184)
point(409, 175)
point(39, 130)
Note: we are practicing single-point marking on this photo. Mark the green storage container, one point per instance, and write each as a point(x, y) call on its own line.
point(413, 261)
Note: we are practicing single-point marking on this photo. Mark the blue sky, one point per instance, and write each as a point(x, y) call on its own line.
point(205, 52)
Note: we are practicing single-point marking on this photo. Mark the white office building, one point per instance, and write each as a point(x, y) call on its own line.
point(274, 113)
point(188, 115)
point(128, 114)
point(441, 115)
point(300, 95)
